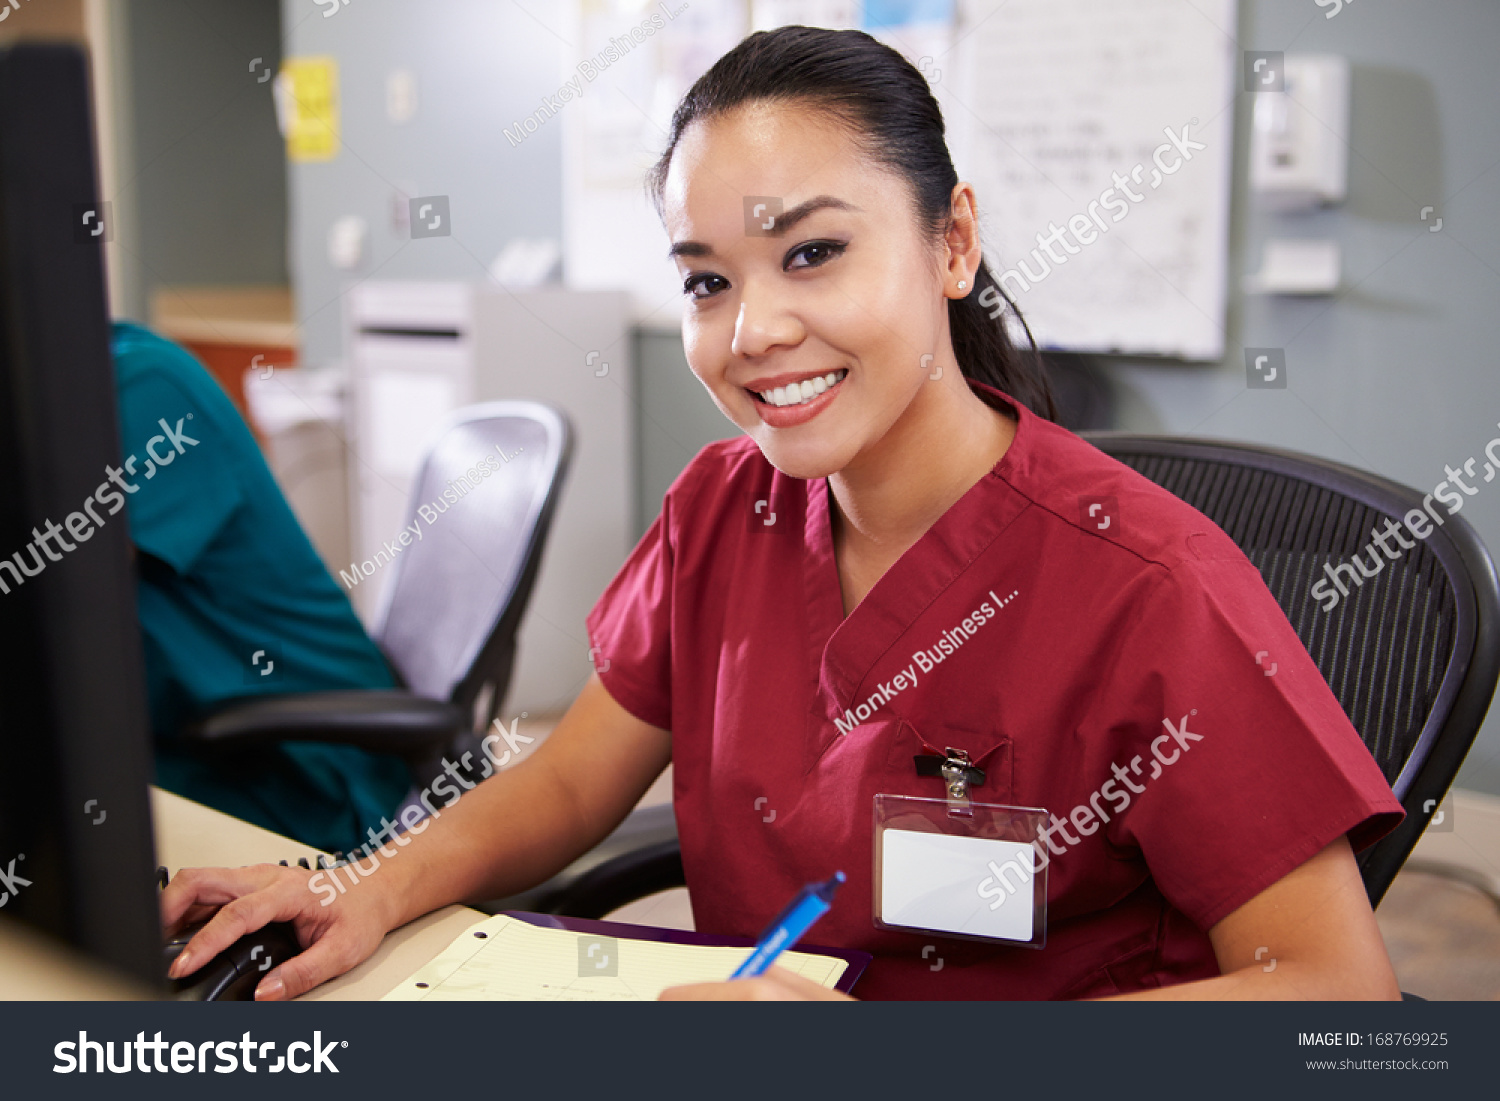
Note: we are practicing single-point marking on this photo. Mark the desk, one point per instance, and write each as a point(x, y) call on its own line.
point(190, 835)
point(34, 968)
point(227, 327)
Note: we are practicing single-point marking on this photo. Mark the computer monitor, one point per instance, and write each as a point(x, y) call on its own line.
point(76, 853)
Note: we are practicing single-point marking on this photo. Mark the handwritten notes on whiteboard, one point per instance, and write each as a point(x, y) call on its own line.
point(1098, 136)
point(1097, 133)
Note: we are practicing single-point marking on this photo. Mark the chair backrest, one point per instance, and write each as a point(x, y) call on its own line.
point(1412, 652)
point(482, 502)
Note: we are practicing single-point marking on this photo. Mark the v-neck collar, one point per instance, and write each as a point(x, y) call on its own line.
point(845, 649)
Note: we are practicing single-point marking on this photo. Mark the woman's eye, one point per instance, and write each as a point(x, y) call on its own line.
point(704, 285)
point(813, 254)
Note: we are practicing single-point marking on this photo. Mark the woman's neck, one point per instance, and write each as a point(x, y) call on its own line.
point(890, 496)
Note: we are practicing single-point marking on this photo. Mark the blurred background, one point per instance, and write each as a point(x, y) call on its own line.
point(362, 215)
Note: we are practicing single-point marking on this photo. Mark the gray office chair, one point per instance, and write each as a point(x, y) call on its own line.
point(452, 603)
point(1412, 655)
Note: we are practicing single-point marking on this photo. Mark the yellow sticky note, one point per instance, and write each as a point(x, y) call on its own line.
point(311, 89)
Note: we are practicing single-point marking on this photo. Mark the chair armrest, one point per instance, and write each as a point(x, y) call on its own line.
point(626, 878)
point(382, 721)
point(640, 858)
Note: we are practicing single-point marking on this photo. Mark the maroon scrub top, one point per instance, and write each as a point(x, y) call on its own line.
point(1132, 634)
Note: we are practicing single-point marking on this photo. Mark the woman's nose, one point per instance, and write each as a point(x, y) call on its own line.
point(763, 323)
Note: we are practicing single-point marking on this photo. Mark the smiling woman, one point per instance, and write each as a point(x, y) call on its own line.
point(901, 452)
point(846, 329)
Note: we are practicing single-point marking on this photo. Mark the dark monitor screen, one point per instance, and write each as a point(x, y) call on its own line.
point(76, 853)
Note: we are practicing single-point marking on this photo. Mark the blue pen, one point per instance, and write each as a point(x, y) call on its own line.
point(811, 903)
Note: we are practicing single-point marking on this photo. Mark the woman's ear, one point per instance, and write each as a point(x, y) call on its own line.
point(962, 241)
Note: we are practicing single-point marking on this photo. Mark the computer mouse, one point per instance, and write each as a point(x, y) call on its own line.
point(234, 973)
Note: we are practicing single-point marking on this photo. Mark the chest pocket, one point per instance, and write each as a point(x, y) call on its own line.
point(989, 750)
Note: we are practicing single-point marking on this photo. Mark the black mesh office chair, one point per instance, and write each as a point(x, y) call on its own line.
point(451, 606)
point(1412, 654)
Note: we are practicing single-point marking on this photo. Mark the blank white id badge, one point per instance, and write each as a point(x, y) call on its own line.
point(972, 874)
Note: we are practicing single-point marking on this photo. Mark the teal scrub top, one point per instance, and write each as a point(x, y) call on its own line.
point(234, 602)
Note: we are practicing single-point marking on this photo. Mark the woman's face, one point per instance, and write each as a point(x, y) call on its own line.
point(812, 295)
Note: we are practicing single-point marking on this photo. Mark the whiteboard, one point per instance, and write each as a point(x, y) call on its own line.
point(632, 62)
point(1045, 100)
point(1055, 99)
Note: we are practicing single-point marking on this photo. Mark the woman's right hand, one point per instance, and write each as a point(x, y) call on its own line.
point(236, 901)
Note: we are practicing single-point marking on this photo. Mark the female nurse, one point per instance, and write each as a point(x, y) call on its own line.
point(903, 560)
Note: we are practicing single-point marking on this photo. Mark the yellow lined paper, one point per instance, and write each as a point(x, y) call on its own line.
point(516, 961)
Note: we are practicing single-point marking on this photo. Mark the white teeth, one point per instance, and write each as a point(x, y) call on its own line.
point(797, 393)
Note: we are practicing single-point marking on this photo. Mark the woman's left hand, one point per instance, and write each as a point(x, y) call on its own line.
point(776, 985)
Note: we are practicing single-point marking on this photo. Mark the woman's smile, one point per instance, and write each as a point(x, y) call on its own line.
point(788, 400)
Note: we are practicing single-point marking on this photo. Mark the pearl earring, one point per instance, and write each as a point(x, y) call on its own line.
point(962, 284)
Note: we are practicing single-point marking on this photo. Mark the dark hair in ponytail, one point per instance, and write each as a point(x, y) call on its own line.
point(884, 99)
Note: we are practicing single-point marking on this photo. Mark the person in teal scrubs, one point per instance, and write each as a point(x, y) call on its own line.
point(234, 602)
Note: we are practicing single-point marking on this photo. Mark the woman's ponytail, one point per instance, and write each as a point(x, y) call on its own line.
point(985, 351)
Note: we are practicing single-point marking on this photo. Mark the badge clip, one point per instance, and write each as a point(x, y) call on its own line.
point(958, 773)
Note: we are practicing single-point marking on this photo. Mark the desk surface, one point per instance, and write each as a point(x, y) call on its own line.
point(252, 315)
point(190, 835)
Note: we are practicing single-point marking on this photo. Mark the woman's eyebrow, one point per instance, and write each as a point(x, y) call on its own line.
point(689, 248)
point(788, 218)
point(783, 223)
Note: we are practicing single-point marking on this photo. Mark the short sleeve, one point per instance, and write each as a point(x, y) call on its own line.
point(630, 628)
point(1246, 764)
point(180, 504)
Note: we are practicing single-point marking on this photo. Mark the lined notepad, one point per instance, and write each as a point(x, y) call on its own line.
point(515, 961)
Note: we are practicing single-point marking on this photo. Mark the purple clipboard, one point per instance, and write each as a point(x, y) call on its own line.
point(856, 959)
